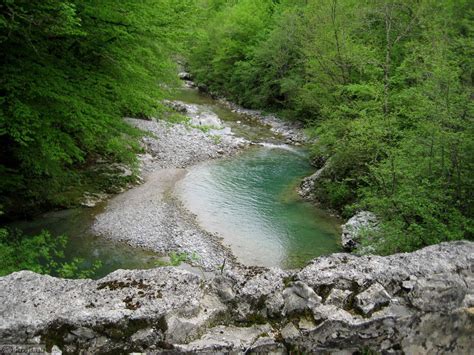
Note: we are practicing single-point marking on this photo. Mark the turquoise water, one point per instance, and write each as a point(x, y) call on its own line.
point(251, 201)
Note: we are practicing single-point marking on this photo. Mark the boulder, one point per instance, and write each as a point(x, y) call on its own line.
point(199, 115)
point(419, 302)
point(352, 229)
point(299, 298)
point(206, 119)
point(185, 76)
point(373, 298)
point(178, 106)
point(93, 199)
point(338, 297)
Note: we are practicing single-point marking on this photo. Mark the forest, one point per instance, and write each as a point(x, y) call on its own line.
point(385, 88)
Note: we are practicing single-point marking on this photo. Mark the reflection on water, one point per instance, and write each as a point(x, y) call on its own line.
point(82, 244)
point(251, 201)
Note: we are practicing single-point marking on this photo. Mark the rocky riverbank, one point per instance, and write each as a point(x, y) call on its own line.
point(149, 216)
point(417, 303)
point(291, 131)
point(180, 146)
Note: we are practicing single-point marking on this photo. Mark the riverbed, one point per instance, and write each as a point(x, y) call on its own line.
point(216, 199)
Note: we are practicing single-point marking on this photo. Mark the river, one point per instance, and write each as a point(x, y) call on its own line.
point(250, 200)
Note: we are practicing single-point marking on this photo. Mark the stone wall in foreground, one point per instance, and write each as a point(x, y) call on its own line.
point(422, 302)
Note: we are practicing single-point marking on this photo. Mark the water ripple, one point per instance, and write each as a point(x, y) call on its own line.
point(250, 200)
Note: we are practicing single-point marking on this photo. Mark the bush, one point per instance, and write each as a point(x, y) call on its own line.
point(386, 88)
point(42, 253)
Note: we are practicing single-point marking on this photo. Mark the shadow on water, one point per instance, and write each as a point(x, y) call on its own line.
point(76, 223)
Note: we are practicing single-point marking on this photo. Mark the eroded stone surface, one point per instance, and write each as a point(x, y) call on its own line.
point(374, 297)
point(420, 302)
point(338, 297)
point(356, 225)
point(308, 184)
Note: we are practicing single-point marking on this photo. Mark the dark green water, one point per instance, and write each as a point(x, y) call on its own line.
point(251, 201)
point(75, 223)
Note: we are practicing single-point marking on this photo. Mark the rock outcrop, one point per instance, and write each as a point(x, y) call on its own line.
point(353, 228)
point(422, 303)
point(308, 184)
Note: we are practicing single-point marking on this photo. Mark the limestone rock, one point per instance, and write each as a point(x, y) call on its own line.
point(338, 297)
point(353, 227)
point(224, 288)
point(264, 284)
point(372, 298)
point(267, 345)
point(306, 189)
point(185, 76)
point(300, 297)
point(92, 199)
point(231, 338)
point(290, 332)
point(198, 115)
point(438, 292)
point(419, 302)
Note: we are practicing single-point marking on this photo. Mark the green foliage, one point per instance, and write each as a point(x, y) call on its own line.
point(177, 118)
point(177, 259)
point(420, 191)
point(217, 139)
point(385, 86)
point(42, 253)
point(228, 41)
point(70, 71)
point(203, 128)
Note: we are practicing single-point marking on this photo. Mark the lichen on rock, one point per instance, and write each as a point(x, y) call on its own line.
point(406, 303)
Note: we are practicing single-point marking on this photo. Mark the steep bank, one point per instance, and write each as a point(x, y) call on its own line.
point(421, 302)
